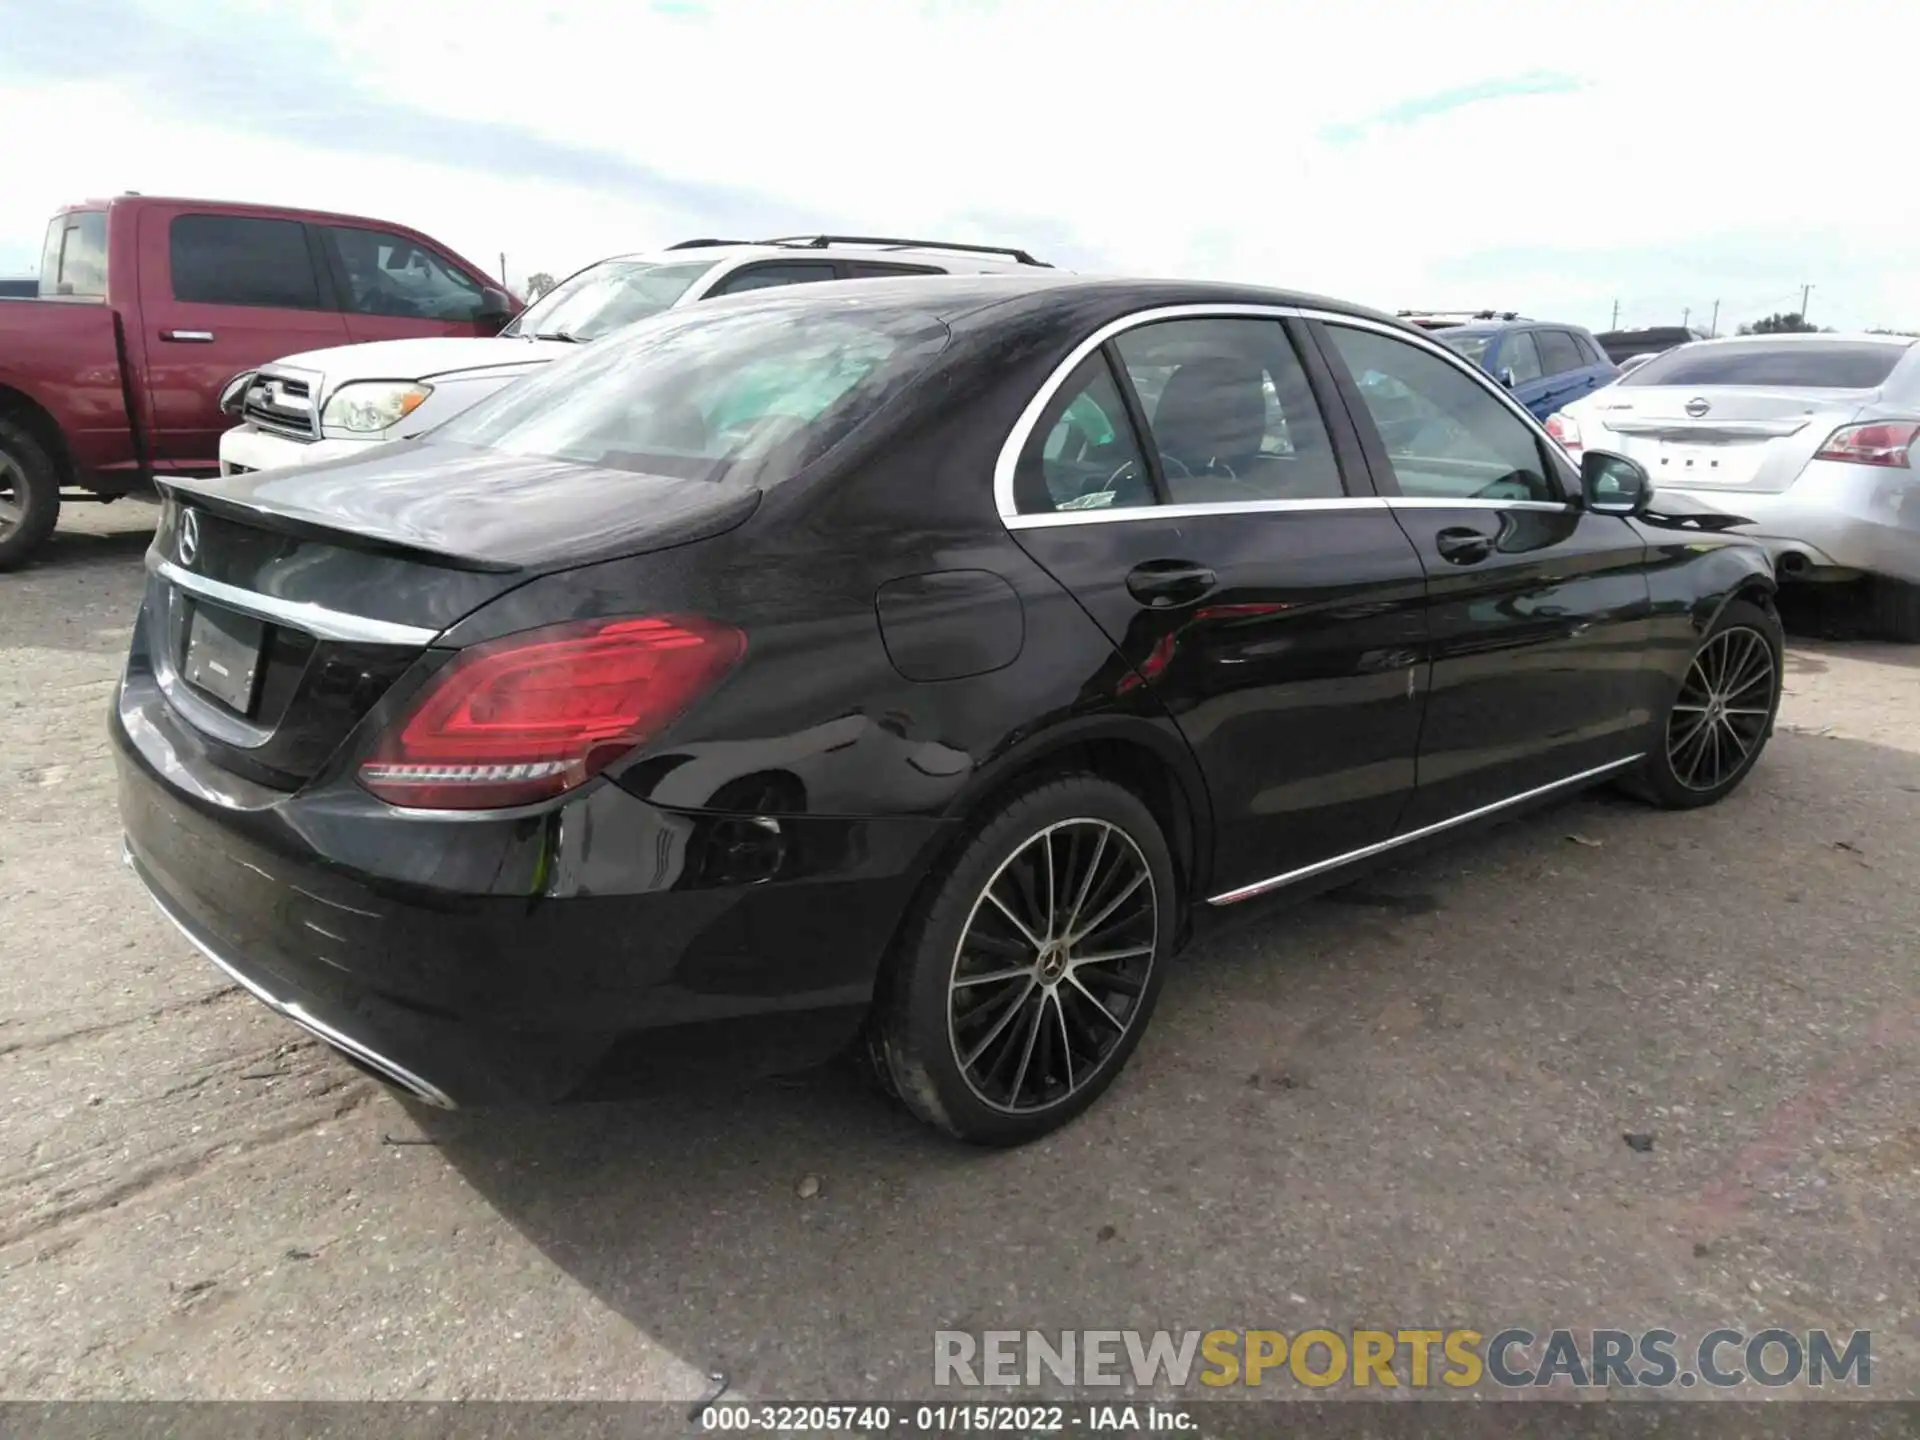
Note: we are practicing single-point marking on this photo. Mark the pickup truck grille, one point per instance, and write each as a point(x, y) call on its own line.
point(283, 404)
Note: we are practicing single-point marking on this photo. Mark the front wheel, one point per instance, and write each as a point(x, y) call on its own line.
point(29, 494)
point(1021, 987)
point(1718, 723)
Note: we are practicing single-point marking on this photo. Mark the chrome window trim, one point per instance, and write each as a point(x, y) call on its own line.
point(316, 620)
point(1016, 441)
point(1320, 867)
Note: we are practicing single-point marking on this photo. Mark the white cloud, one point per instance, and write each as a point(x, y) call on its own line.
point(1678, 156)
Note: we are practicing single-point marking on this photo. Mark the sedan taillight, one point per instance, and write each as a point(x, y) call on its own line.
point(533, 715)
point(1566, 430)
point(1879, 442)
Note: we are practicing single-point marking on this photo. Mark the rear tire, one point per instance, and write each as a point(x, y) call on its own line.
point(1893, 610)
point(994, 1038)
point(1717, 723)
point(29, 494)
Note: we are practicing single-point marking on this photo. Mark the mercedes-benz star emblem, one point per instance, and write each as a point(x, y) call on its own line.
point(1697, 407)
point(189, 536)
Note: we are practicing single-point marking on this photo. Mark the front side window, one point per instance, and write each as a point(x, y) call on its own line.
point(1519, 354)
point(1445, 434)
point(1083, 455)
point(1558, 353)
point(1472, 345)
point(746, 398)
point(74, 262)
point(1230, 411)
point(234, 260)
point(391, 275)
point(764, 277)
point(604, 298)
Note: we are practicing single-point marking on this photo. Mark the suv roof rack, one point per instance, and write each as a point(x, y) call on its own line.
point(890, 242)
point(698, 244)
point(1461, 314)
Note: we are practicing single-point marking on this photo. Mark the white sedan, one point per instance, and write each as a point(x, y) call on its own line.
point(1808, 436)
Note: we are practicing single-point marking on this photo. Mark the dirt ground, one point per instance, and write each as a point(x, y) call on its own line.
point(1400, 1105)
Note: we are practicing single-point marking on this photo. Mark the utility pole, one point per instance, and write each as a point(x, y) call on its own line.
point(503, 267)
point(1686, 314)
point(1805, 290)
point(1713, 325)
point(1614, 324)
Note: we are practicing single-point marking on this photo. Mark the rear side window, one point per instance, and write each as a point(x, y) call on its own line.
point(390, 275)
point(1083, 454)
point(1231, 413)
point(234, 260)
point(747, 397)
point(761, 277)
point(74, 261)
point(1558, 353)
point(1794, 364)
point(869, 270)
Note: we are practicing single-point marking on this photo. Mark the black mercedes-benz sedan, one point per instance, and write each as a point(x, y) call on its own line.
point(903, 665)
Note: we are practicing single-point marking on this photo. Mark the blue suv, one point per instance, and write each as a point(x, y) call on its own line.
point(1548, 366)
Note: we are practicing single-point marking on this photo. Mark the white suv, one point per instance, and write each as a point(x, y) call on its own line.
point(327, 404)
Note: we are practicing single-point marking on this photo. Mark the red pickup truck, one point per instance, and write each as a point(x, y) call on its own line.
point(148, 307)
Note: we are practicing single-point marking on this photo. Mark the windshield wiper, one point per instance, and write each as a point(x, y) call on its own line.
point(565, 335)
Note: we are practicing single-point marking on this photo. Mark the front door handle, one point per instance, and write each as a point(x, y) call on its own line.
point(1162, 583)
point(188, 337)
point(1463, 545)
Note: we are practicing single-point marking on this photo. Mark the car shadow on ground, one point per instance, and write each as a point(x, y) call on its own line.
point(70, 548)
point(1406, 1098)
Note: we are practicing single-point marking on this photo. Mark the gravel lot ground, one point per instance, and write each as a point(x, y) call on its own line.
point(1402, 1104)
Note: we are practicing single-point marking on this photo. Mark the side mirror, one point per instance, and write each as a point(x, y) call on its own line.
point(233, 394)
point(1613, 484)
point(496, 309)
point(1506, 376)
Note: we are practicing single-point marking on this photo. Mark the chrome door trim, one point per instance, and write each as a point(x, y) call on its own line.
point(316, 620)
point(1276, 882)
point(1016, 441)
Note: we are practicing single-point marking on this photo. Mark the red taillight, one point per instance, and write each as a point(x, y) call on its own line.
point(1879, 443)
point(1566, 430)
point(532, 715)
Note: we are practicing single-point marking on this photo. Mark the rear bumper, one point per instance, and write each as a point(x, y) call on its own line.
point(246, 448)
point(603, 948)
point(1853, 517)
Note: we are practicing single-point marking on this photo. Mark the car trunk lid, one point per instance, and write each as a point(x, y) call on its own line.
point(284, 605)
point(1722, 437)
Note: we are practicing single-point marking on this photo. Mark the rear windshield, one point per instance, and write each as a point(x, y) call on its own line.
point(745, 393)
point(1474, 347)
point(1794, 364)
point(605, 297)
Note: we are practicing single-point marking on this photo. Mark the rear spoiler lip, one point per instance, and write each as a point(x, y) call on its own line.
point(177, 489)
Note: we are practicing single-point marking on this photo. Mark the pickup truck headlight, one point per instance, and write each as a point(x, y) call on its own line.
point(367, 406)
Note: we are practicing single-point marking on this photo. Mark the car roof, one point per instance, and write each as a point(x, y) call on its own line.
point(970, 298)
point(1801, 337)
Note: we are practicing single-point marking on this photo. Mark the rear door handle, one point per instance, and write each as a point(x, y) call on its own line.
point(188, 337)
point(1463, 545)
point(1161, 583)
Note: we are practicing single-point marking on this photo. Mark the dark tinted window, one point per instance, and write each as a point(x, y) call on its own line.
point(1231, 413)
point(1470, 343)
point(1445, 433)
point(746, 397)
point(1558, 353)
point(1796, 364)
point(1590, 350)
point(229, 260)
point(761, 277)
point(74, 261)
point(1083, 454)
point(1519, 354)
point(390, 275)
point(869, 270)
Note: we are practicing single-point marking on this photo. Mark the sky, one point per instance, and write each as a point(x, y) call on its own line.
point(1556, 159)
